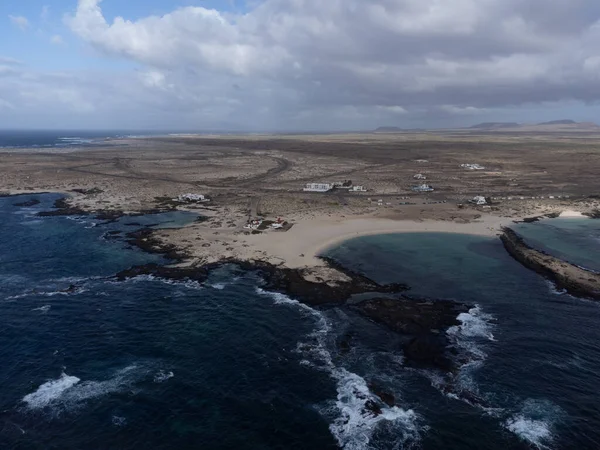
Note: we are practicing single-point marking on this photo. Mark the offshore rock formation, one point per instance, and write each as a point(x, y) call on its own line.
point(423, 322)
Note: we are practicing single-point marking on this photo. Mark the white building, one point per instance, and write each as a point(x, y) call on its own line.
point(196, 198)
point(479, 200)
point(422, 188)
point(472, 166)
point(358, 189)
point(318, 187)
point(420, 176)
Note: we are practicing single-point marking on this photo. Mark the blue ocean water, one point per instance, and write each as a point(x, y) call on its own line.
point(63, 138)
point(88, 362)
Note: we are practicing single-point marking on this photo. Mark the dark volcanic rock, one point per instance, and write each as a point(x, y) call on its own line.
point(277, 279)
point(32, 202)
point(529, 220)
point(169, 273)
point(429, 350)
point(412, 316)
point(145, 240)
point(63, 208)
point(595, 214)
point(92, 191)
point(424, 322)
point(386, 397)
point(293, 282)
point(575, 280)
point(110, 216)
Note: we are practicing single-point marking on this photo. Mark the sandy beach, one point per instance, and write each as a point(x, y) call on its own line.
point(308, 239)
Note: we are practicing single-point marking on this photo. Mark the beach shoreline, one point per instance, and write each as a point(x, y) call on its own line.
point(312, 238)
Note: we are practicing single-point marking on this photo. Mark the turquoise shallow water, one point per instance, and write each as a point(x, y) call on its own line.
point(576, 240)
point(224, 364)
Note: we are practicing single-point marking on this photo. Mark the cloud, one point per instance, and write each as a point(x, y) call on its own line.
point(340, 63)
point(45, 14)
point(57, 40)
point(19, 21)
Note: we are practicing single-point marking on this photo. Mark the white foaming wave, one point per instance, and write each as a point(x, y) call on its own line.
point(475, 327)
point(218, 286)
point(534, 423)
point(474, 324)
point(163, 376)
point(50, 391)
point(44, 309)
point(535, 432)
point(554, 289)
point(68, 392)
point(282, 299)
point(356, 419)
point(189, 284)
point(356, 413)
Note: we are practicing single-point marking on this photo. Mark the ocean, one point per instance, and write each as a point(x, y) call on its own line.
point(16, 139)
point(89, 362)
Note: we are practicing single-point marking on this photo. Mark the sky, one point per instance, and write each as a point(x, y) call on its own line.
point(296, 65)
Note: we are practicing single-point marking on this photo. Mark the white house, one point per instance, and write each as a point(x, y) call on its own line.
point(318, 187)
point(358, 189)
point(422, 188)
point(420, 176)
point(472, 166)
point(479, 200)
point(196, 198)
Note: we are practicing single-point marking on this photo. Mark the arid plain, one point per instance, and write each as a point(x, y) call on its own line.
point(524, 174)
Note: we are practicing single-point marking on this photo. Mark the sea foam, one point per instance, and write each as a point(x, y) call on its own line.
point(534, 423)
point(50, 391)
point(69, 392)
point(356, 413)
point(468, 339)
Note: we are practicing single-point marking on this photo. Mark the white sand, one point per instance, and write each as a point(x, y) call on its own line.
point(312, 237)
point(571, 213)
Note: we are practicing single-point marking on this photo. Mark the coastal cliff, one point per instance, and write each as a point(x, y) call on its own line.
point(575, 280)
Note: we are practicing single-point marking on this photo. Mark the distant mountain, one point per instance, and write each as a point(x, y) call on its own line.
point(559, 122)
point(555, 126)
point(388, 130)
point(495, 125)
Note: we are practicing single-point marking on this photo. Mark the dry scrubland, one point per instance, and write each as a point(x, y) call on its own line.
point(264, 175)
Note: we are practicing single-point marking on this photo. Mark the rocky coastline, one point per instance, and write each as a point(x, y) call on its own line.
point(62, 207)
point(422, 323)
point(575, 280)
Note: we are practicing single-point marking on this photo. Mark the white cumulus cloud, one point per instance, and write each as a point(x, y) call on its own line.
point(19, 21)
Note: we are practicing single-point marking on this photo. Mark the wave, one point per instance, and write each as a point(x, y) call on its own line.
point(163, 376)
point(44, 309)
point(357, 413)
point(468, 340)
point(76, 291)
point(189, 284)
point(50, 391)
point(534, 423)
point(69, 392)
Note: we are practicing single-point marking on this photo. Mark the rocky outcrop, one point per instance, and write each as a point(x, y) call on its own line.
point(423, 322)
point(594, 214)
point(276, 278)
point(145, 240)
point(575, 280)
point(63, 208)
